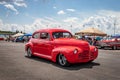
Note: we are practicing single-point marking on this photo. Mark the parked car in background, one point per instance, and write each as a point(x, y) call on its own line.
point(1, 39)
point(111, 42)
point(24, 38)
point(116, 36)
point(58, 45)
point(19, 39)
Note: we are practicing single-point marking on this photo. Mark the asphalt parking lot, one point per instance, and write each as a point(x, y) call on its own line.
point(15, 66)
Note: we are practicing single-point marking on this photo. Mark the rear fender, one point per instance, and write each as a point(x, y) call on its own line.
point(29, 45)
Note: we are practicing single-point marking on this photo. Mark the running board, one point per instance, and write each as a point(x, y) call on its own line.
point(43, 56)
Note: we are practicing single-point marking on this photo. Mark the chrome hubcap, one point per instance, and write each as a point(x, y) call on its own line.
point(29, 53)
point(114, 47)
point(62, 59)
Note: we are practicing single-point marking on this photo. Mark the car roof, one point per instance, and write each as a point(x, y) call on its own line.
point(51, 30)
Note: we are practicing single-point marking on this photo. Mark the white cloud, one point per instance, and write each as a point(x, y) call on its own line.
point(39, 23)
point(104, 22)
point(71, 19)
point(11, 7)
point(71, 10)
point(1, 24)
point(20, 3)
point(10, 4)
point(49, 18)
point(2, 2)
point(61, 12)
point(55, 7)
point(109, 13)
point(45, 23)
point(7, 27)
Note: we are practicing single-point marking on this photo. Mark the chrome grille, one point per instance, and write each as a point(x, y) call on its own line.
point(84, 55)
point(91, 55)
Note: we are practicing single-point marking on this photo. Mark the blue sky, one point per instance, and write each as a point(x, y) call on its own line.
point(37, 14)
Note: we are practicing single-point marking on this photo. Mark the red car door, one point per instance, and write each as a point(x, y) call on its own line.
point(35, 40)
point(46, 44)
point(47, 47)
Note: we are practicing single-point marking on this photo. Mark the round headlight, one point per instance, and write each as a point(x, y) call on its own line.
point(75, 51)
point(95, 49)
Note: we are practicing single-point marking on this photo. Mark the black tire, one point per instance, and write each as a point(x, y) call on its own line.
point(62, 61)
point(90, 61)
point(103, 47)
point(29, 53)
point(114, 47)
point(99, 47)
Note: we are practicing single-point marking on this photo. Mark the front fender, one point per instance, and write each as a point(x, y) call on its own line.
point(93, 51)
point(65, 50)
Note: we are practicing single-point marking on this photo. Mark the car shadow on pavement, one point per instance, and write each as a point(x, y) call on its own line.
point(40, 59)
point(109, 49)
point(79, 66)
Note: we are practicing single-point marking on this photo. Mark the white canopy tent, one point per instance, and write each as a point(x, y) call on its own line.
point(91, 32)
point(17, 35)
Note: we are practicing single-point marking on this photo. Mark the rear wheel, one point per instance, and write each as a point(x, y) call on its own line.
point(29, 53)
point(102, 47)
point(114, 47)
point(62, 60)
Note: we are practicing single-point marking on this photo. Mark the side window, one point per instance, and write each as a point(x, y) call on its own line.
point(66, 35)
point(36, 35)
point(44, 35)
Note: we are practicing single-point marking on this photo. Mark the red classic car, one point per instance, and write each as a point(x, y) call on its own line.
point(58, 45)
point(113, 43)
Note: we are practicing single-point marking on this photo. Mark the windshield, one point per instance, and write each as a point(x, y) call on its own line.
point(61, 35)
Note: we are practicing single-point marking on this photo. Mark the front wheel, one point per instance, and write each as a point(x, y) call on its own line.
point(29, 53)
point(62, 60)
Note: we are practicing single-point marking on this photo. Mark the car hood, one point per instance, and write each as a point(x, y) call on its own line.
point(71, 42)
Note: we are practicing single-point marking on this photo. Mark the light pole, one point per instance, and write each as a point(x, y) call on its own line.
point(24, 28)
point(12, 28)
point(98, 25)
point(59, 26)
point(83, 25)
point(71, 28)
point(114, 26)
point(47, 26)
